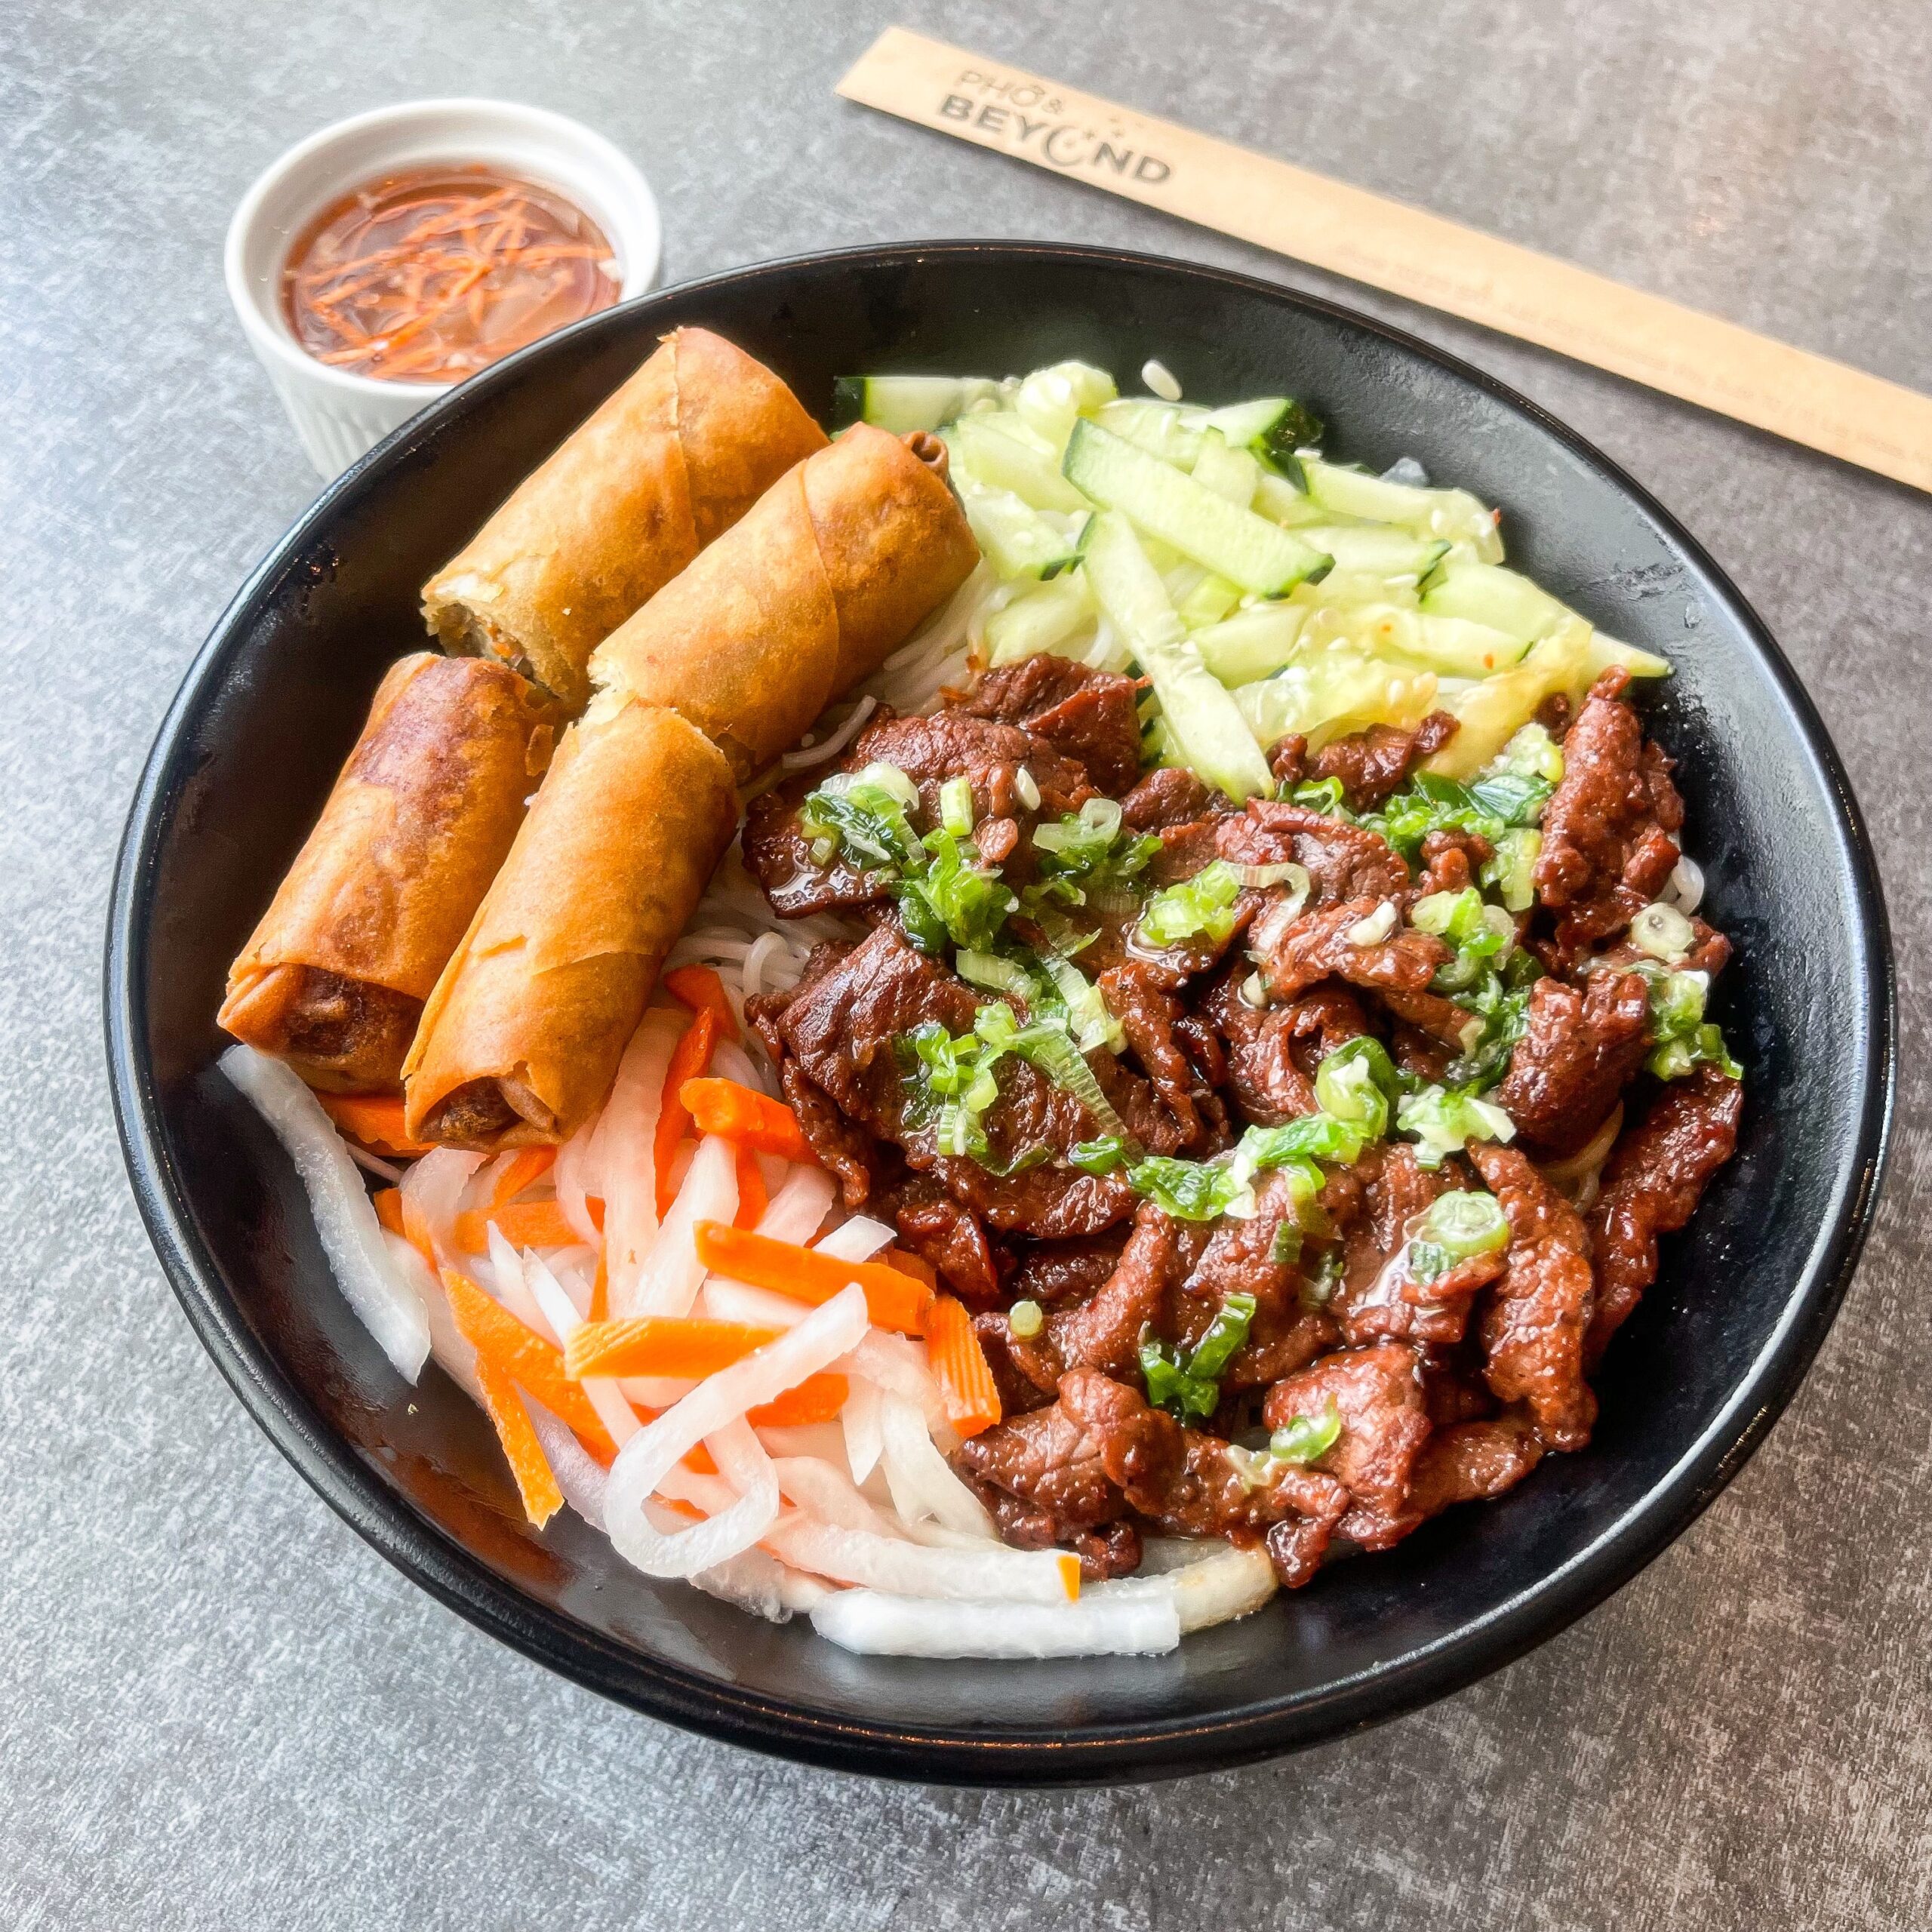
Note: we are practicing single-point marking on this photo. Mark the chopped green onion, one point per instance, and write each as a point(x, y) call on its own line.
point(1677, 1001)
point(1676, 1057)
point(1200, 906)
point(1512, 871)
point(956, 806)
point(1188, 1190)
point(1025, 1319)
point(1376, 926)
point(968, 904)
point(1662, 932)
point(1444, 1120)
point(1531, 753)
point(889, 779)
point(1091, 1022)
point(1254, 991)
point(865, 816)
point(1318, 1136)
point(1437, 912)
point(1192, 1389)
point(1514, 800)
point(1323, 795)
point(1286, 873)
point(1319, 1288)
point(1048, 1045)
point(1457, 1226)
point(996, 974)
point(1285, 1249)
point(1500, 1004)
point(1308, 1438)
point(1225, 1335)
point(1100, 1156)
point(1357, 1083)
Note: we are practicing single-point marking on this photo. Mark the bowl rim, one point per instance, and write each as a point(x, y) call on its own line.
point(1104, 1753)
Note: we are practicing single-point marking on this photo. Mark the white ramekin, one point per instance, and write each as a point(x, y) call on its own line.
point(338, 415)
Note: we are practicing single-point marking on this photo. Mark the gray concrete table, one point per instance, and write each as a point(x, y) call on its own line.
point(217, 1707)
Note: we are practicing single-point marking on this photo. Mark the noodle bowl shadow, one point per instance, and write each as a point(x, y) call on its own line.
point(1744, 1297)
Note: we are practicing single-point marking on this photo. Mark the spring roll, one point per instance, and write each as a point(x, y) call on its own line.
point(672, 461)
point(831, 571)
point(522, 1034)
point(334, 978)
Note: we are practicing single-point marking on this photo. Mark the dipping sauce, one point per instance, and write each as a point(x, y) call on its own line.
point(428, 276)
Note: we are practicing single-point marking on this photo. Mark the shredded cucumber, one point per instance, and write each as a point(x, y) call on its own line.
point(1256, 643)
point(1262, 590)
point(1209, 600)
point(1327, 693)
point(1605, 651)
point(1453, 514)
point(1278, 501)
point(1488, 594)
point(902, 404)
point(1447, 645)
point(1050, 399)
point(1001, 452)
point(1227, 471)
point(1376, 548)
point(1016, 539)
point(1167, 504)
point(1203, 718)
point(1041, 619)
point(1491, 713)
point(1271, 429)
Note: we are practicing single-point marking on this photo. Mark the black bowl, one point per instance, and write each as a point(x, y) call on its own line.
point(1744, 1296)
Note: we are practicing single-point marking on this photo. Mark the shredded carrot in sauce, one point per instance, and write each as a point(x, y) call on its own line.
point(428, 276)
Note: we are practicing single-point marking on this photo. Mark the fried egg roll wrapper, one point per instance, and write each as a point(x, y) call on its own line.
point(837, 565)
point(521, 1037)
point(334, 978)
point(673, 460)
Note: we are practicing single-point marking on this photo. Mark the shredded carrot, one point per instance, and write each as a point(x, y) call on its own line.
point(894, 1300)
point(535, 1483)
point(972, 1400)
point(689, 1059)
point(753, 1198)
point(416, 1232)
point(524, 1169)
point(703, 991)
point(523, 1224)
point(817, 1398)
point(375, 279)
point(747, 1117)
point(698, 1460)
point(661, 1345)
point(600, 1293)
point(523, 1356)
point(907, 1262)
point(388, 1203)
point(375, 1120)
